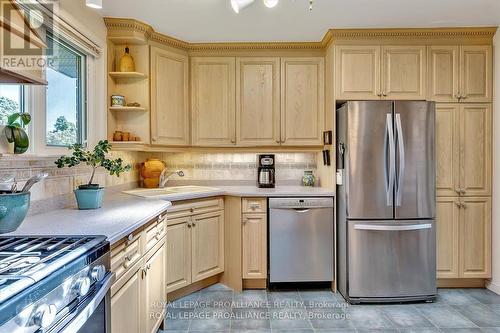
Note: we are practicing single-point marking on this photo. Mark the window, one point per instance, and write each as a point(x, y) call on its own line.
point(11, 100)
point(65, 99)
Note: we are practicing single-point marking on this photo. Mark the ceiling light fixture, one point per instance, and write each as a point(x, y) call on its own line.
point(96, 4)
point(270, 3)
point(240, 4)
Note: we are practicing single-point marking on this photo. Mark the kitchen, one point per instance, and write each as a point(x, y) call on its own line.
point(269, 179)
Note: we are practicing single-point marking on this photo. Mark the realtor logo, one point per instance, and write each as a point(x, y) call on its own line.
point(23, 23)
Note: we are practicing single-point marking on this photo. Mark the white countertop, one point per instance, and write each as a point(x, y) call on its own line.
point(122, 213)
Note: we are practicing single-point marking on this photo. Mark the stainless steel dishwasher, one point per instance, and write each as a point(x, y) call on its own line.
point(300, 240)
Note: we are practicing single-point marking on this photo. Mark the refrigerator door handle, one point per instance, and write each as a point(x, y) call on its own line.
point(401, 146)
point(390, 170)
point(393, 227)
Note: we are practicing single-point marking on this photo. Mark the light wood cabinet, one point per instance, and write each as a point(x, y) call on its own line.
point(302, 101)
point(443, 73)
point(357, 72)
point(447, 237)
point(447, 149)
point(254, 244)
point(372, 72)
point(476, 73)
point(463, 149)
point(463, 237)
point(195, 242)
point(127, 302)
point(154, 288)
point(207, 236)
point(138, 294)
point(460, 73)
point(257, 101)
point(169, 98)
point(213, 101)
point(178, 253)
point(404, 72)
point(475, 238)
point(475, 149)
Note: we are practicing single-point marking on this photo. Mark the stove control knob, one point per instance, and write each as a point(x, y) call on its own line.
point(44, 315)
point(98, 272)
point(82, 286)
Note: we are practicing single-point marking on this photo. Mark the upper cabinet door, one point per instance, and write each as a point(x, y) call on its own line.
point(475, 149)
point(447, 149)
point(357, 72)
point(476, 75)
point(169, 98)
point(443, 73)
point(213, 101)
point(257, 101)
point(302, 101)
point(404, 72)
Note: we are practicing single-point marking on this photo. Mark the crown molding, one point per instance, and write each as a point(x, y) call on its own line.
point(136, 26)
point(466, 32)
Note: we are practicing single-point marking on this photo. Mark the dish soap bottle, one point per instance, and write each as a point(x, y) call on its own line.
point(308, 179)
point(127, 62)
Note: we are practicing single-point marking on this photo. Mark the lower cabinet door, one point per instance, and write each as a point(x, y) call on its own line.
point(254, 246)
point(475, 237)
point(178, 253)
point(447, 231)
point(207, 237)
point(127, 302)
point(154, 287)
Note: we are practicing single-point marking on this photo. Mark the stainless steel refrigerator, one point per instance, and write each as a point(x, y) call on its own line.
point(386, 201)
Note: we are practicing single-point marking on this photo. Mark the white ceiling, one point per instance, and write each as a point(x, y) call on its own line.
point(214, 20)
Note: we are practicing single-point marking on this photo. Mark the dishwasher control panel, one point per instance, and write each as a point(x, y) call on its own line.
point(324, 202)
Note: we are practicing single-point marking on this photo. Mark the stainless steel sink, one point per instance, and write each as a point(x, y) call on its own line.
point(167, 192)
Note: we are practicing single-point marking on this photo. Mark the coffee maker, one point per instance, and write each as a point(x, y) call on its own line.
point(265, 174)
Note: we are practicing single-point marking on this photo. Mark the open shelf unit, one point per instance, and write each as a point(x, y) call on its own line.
point(127, 75)
point(127, 108)
point(134, 86)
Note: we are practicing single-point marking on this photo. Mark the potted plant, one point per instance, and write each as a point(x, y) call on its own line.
point(15, 133)
point(89, 196)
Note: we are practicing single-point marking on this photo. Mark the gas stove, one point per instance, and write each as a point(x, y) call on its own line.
point(52, 284)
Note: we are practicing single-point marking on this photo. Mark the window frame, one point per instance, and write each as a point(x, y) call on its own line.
point(82, 95)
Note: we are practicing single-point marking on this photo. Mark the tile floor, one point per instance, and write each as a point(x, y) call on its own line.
point(219, 309)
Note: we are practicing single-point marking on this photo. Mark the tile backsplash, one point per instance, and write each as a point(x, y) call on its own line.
point(215, 168)
point(237, 166)
point(57, 190)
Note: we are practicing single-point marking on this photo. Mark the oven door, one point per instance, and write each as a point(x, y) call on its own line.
point(92, 315)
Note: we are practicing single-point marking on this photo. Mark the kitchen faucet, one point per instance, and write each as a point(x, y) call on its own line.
point(164, 176)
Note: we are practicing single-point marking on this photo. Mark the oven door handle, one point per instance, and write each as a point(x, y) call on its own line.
point(79, 320)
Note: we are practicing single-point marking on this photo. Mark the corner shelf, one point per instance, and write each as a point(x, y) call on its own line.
point(127, 75)
point(127, 108)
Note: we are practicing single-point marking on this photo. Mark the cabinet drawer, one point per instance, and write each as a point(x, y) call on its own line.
point(154, 232)
point(126, 254)
point(254, 205)
point(186, 208)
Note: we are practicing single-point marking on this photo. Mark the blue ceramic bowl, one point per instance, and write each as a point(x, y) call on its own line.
point(13, 210)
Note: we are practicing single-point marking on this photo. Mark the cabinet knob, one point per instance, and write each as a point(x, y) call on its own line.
point(278, 141)
point(384, 94)
point(462, 190)
point(457, 189)
point(463, 96)
point(458, 203)
point(379, 94)
point(154, 138)
point(194, 224)
point(130, 237)
point(189, 225)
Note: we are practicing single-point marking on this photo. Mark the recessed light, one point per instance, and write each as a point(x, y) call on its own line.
point(96, 4)
point(240, 4)
point(270, 3)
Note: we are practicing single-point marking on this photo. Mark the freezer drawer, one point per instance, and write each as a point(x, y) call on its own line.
point(391, 259)
point(301, 240)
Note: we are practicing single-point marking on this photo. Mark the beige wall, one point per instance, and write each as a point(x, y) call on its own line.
point(495, 283)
